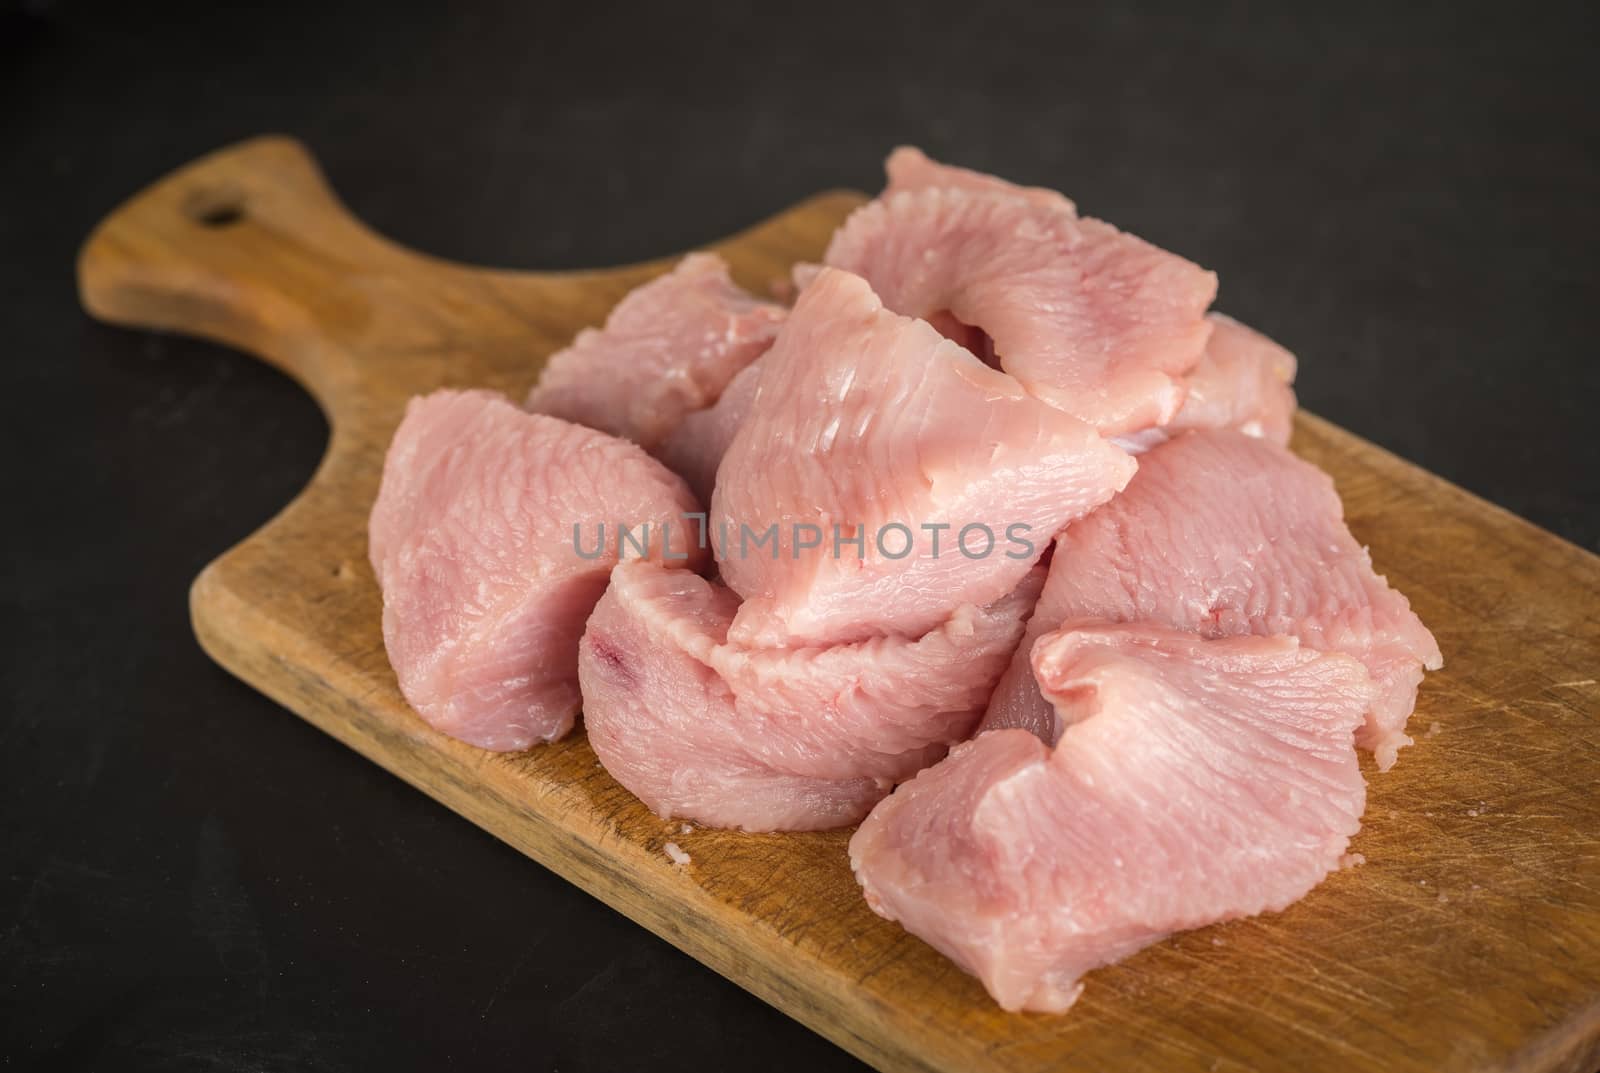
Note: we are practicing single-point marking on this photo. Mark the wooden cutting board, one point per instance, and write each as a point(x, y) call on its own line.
point(1469, 940)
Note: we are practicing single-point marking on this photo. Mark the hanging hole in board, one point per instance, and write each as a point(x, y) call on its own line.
point(215, 208)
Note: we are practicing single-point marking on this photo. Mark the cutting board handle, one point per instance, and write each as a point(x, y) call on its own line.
point(249, 246)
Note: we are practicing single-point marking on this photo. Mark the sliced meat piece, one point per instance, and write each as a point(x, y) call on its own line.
point(410, 474)
point(866, 421)
point(695, 448)
point(1196, 781)
point(774, 739)
point(476, 534)
point(667, 349)
point(909, 168)
point(1225, 534)
point(1094, 321)
point(1243, 382)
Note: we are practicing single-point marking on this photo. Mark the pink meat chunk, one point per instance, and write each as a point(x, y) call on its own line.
point(485, 592)
point(1096, 322)
point(667, 349)
point(909, 168)
point(1224, 534)
point(1243, 381)
point(695, 448)
point(864, 421)
point(774, 739)
point(1197, 780)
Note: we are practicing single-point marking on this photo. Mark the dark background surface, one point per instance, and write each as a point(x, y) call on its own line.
point(192, 878)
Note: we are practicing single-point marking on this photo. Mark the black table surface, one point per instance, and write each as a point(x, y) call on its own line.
point(195, 879)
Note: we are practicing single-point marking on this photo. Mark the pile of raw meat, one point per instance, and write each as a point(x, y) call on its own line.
point(996, 512)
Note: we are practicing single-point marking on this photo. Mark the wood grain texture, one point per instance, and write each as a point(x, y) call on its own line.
point(1469, 940)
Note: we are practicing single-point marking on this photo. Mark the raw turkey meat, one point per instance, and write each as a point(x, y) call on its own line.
point(695, 448)
point(1225, 534)
point(1196, 781)
point(864, 420)
point(1243, 382)
point(774, 739)
point(909, 168)
point(473, 540)
point(1001, 515)
point(1094, 321)
point(667, 349)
